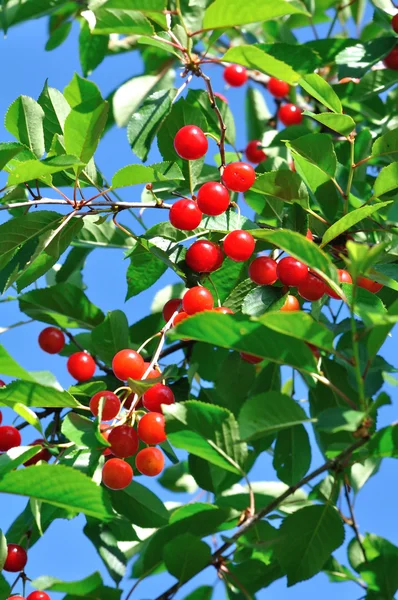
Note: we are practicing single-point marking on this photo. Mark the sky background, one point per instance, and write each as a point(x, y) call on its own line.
point(64, 552)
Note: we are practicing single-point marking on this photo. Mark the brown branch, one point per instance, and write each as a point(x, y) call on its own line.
point(116, 206)
point(40, 415)
point(353, 521)
point(223, 127)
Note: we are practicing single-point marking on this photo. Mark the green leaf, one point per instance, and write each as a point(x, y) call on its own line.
point(223, 14)
point(385, 443)
point(185, 556)
point(78, 588)
point(386, 145)
point(10, 367)
point(56, 109)
point(61, 486)
point(58, 36)
point(28, 415)
point(11, 460)
point(281, 185)
point(80, 430)
point(97, 234)
point(83, 128)
point(374, 83)
point(262, 299)
point(337, 419)
point(317, 149)
point(308, 537)
point(177, 479)
point(319, 89)
point(105, 538)
point(387, 180)
point(81, 91)
point(92, 48)
point(121, 20)
point(368, 306)
point(265, 492)
point(257, 114)
point(140, 506)
point(134, 174)
point(145, 270)
point(292, 454)
point(349, 220)
point(301, 326)
point(7, 152)
point(343, 124)
point(29, 393)
point(5, 588)
point(35, 169)
point(253, 57)
point(111, 335)
point(357, 59)
point(24, 120)
point(3, 550)
point(204, 592)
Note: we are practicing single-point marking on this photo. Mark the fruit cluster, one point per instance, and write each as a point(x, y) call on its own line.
point(15, 562)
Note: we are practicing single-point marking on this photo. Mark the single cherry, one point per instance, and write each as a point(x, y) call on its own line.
point(239, 176)
point(314, 350)
point(9, 438)
point(51, 340)
point(190, 142)
point(16, 558)
point(239, 245)
point(291, 271)
point(81, 366)
point(213, 198)
point(312, 288)
point(150, 461)
point(263, 270)
point(38, 596)
point(151, 428)
point(180, 317)
point(290, 114)
point(368, 284)
point(117, 474)
point(291, 304)
point(44, 453)
point(235, 75)
point(197, 299)
point(170, 308)
point(185, 215)
point(224, 310)
point(128, 363)
point(277, 87)
point(16, 598)
point(2, 384)
point(156, 396)
point(111, 405)
point(391, 60)
point(204, 256)
point(254, 152)
point(251, 358)
point(394, 23)
point(344, 277)
point(124, 441)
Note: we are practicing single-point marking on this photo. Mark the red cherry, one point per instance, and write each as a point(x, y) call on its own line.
point(81, 366)
point(190, 142)
point(151, 428)
point(221, 96)
point(156, 396)
point(1, 417)
point(235, 75)
point(251, 358)
point(277, 87)
point(38, 596)
point(312, 288)
point(170, 308)
point(124, 441)
point(263, 270)
point(51, 340)
point(213, 198)
point(16, 598)
point(254, 152)
point(111, 405)
point(117, 474)
point(314, 350)
point(16, 558)
point(239, 176)
point(2, 384)
point(153, 373)
point(150, 461)
point(391, 60)
point(44, 453)
point(344, 277)
point(292, 166)
point(291, 272)
point(204, 256)
point(291, 304)
point(197, 299)
point(128, 363)
point(224, 310)
point(309, 235)
point(290, 114)
point(368, 284)
point(180, 317)
point(185, 215)
point(239, 245)
point(9, 438)
point(394, 23)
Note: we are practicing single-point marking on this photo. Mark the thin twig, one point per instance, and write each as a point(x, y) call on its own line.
point(223, 127)
point(109, 205)
point(353, 521)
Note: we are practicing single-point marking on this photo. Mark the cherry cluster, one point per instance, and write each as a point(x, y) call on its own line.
point(16, 561)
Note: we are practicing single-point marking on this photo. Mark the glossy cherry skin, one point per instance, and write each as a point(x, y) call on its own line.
point(239, 176)
point(190, 142)
point(151, 428)
point(263, 270)
point(235, 75)
point(38, 596)
point(128, 363)
point(291, 271)
point(394, 23)
point(251, 358)
point(81, 366)
point(224, 310)
point(278, 88)
point(117, 474)
point(171, 306)
point(254, 152)
point(391, 60)
point(9, 438)
point(51, 340)
point(204, 256)
point(197, 299)
point(16, 558)
point(2, 384)
point(290, 114)
point(124, 441)
point(16, 598)
point(344, 277)
point(156, 396)
point(312, 288)
point(44, 454)
point(368, 284)
point(185, 215)
point(150, 461)
point(213, 198)
point(291, 304)
point(180, 317)
point(239, 245)
point(111, 405)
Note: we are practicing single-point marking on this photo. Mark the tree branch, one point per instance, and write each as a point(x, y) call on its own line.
point(353, 521)
point(115, 206)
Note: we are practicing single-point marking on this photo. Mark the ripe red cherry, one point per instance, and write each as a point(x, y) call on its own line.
point(111, 405)
point(2, 384)
point(16, 598)
point(213, 198)
point(368, 284)
point(394, 23)
point(81, 366)
point(290, 114)
point(291, 304)
point(309, 235)
point(221, 96)
point(277, 87)
point(204, 256)
point(51, 340)
point(1, 417)
point(185, 215)
point(170, 308)
point(391, 60)
point(239, 245)
point(190, 142)
point(314, 350)
point(344, 277)
point(291, 272)
point(239, 176)
point(9, 438)
point(44, 454)
point(251, 358)
point(263, 270)
point(254, 152)
point(312, 288)
point(180, 317)
point(197, 299)
point(224, 310)
point(124, 441)
point(38, 596)
point(150, 461)
point(156, 396)
point(16, 558)
point(235, 75)
point(151, 428)
point(128, 363)
point(117, 474)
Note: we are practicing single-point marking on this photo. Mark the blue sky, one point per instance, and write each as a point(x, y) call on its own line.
point(64, 552)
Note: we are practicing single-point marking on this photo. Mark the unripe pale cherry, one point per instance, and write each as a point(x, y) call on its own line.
point(170, 308)
point(312, 288)
point(190, 142)
point(124, 441)
point(239, 176)
point(368, 284)
point(204, 256)
point(254, 152)
point(344, 277)
point(263, 270)
point(291, 304)
point(81, 366)
point(213, 198)
point(290, 114)
point(197, 299)
point(117, 474)
point(150, 461)
point(156, 396)
point(239, 245)
point(9, 438)
point(16, 558)
point(51, 340)
point(391, 60)
point(128, 363)
point(291, 271)
point(277, 87)
point(235, 75)
point(111, 405)
point(185, 215)
point(151, 428)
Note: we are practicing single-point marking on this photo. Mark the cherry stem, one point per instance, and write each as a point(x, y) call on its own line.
point(223, 127)
point(353, 521)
